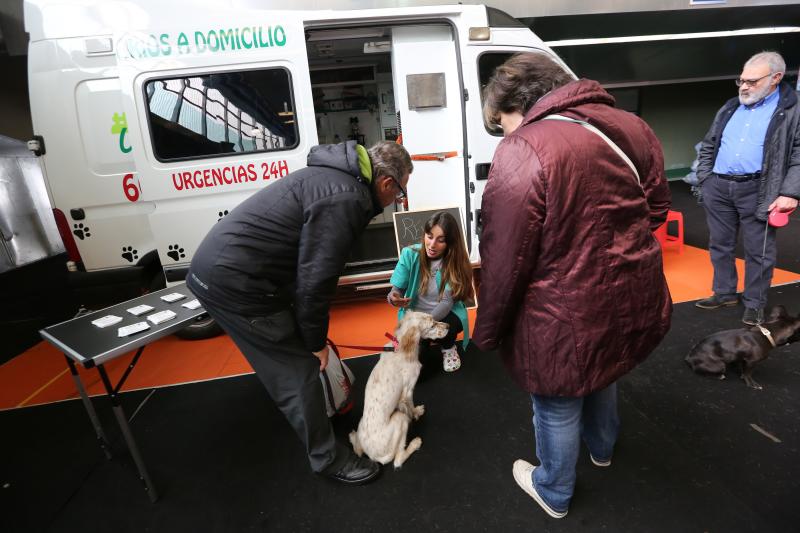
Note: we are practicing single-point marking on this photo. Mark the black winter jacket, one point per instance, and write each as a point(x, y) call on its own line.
point(286, 246)
point(780, 170)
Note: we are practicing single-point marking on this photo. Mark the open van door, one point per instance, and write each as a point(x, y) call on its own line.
point(483, 56)
point(429, 97)
point(212, 116)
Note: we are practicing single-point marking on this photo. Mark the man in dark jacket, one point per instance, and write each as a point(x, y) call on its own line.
point(748, 167)
point(268, 271)
point(572, 285)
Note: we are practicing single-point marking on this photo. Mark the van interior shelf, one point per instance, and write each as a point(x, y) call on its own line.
point(350, 110)
point(352, 103)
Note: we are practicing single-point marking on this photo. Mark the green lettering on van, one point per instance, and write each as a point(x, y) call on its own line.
point(120, 127)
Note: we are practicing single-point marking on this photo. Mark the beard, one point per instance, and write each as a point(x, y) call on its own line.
point(754, 96)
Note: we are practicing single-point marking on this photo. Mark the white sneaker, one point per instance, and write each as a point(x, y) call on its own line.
point(523, 475)
point(451, 360)
point(598, 462)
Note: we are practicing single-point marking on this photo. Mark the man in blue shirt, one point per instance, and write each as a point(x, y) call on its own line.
point(748, 167)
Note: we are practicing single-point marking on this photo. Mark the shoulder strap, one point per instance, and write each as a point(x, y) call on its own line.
point(603, 136)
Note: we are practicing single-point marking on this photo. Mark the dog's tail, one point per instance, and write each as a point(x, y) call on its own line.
point(356, 444)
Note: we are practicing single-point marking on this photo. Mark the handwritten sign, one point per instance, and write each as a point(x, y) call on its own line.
point(410, 225)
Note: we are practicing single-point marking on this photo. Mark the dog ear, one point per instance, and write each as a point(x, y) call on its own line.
point(776, 313)
point(408, 333)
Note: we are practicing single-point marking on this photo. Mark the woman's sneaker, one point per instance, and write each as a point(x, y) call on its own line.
point(451, 360)
point(523, 475)
point(598, 462)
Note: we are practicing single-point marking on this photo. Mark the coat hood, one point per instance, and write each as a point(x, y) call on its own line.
point(571, 95)
point(343, 156)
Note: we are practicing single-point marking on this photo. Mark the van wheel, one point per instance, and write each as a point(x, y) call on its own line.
point(203, 327)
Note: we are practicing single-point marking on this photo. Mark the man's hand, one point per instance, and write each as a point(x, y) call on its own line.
point(783, 204)
point(322, 355)
point(398, 301)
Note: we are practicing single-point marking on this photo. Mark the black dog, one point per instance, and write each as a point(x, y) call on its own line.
point(748, 346)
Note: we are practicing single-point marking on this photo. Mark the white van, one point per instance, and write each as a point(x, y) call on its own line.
point(155, 118)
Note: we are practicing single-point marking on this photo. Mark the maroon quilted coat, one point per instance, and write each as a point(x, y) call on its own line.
point(572, 285)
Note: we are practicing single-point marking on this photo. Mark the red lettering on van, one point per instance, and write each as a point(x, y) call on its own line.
point(131, 188)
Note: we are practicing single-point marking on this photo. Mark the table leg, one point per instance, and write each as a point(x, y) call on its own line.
point(127, 435)
point(87, 403)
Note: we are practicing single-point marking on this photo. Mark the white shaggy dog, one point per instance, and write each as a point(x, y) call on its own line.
point(389, 398)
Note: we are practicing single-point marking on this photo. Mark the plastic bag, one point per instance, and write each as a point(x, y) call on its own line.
point(337, 383)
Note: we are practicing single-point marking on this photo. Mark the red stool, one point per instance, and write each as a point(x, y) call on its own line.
point(671, 240)
point(664, 238)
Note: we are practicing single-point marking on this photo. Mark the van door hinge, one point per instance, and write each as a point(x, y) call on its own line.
point(36, 145)
point(466, 95)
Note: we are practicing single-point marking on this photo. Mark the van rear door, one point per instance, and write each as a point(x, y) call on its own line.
point(215, 111)
point(429, 97)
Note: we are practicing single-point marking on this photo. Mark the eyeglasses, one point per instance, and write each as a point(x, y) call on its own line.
point(751, 83)
point(402, 194)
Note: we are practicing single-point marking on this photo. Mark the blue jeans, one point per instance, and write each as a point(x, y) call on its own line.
point(559, 424)
point(730, 210)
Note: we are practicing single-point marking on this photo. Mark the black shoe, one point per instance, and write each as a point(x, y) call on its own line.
point(753, 317)
point(355, 471)
point(716, 301)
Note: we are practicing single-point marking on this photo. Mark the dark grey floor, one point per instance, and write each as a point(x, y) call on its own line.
point(688, 458)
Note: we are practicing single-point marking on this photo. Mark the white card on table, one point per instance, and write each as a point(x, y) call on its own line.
point(106, 321)
point(193, 304)
point(161, 316)
point(173, 297)
point(140, 309)
point(124, 331)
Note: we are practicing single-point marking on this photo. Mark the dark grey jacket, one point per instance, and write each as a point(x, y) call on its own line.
point(780, 170)
point(285, 246)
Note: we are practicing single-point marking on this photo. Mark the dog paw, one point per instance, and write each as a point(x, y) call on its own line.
point(419, 410)
point(414, 445)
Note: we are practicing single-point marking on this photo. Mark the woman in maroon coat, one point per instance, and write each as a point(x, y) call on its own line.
point(572, 285)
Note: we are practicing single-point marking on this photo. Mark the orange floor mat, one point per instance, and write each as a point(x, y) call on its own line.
point(40, 374)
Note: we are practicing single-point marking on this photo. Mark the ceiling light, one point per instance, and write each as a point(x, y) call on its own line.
point(376, 47)
point(674, 36)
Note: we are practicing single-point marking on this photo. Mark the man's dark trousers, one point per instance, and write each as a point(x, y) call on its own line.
point(290, 373)
point(731, 206)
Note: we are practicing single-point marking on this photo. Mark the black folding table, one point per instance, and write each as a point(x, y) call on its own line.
point(92, 347)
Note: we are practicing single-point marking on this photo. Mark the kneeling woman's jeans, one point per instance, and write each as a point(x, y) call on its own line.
point(455, 328)
point(559, 424)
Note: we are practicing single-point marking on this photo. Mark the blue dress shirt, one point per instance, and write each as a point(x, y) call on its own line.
point(741, 150)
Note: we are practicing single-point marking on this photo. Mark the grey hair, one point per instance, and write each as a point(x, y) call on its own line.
point(772, 59)
point(389, 159)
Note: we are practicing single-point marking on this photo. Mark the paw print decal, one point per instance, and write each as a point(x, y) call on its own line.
point(81, 231)
point(221, 215)
point(176, 252)
point(129, 254)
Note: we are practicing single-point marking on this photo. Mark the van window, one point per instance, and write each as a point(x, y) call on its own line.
point(487, 62)
point(222, 113)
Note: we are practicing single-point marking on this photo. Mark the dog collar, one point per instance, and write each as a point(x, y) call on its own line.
point(767, 334)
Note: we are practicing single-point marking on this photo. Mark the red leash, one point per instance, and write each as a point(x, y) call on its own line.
point(374, 348)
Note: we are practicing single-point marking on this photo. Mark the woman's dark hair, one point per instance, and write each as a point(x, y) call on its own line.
point(519, 83)
point(456, 268)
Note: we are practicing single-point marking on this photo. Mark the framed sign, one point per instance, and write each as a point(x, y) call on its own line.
point(409, 226)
